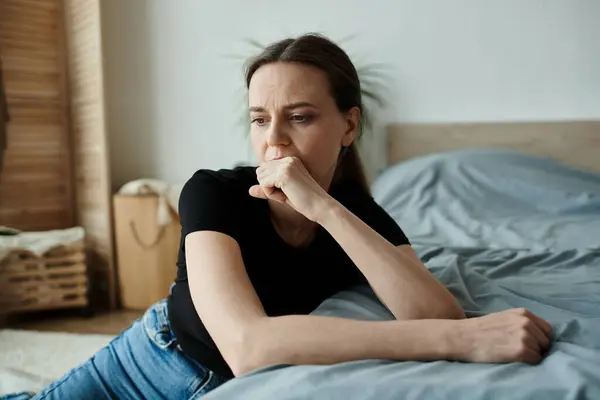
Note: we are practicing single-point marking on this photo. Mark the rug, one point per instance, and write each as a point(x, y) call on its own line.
point(30, 360)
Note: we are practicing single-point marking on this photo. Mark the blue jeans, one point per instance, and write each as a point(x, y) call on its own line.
point(143, 362)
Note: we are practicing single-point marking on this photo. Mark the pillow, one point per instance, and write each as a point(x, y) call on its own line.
point(492, 198)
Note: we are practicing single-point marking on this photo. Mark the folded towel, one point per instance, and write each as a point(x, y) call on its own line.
point(39, 243)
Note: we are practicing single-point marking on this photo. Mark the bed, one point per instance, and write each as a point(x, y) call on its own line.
point(506, 215)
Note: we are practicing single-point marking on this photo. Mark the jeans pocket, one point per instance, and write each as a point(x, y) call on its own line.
point(156, 325)
point(203, 385)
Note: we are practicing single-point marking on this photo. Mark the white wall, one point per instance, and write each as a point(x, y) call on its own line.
point(174, 72)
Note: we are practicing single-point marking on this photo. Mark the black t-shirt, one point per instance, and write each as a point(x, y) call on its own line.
point(290, 280)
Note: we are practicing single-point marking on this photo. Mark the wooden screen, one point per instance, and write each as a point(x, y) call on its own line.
point(55, 172)
point(35, 184)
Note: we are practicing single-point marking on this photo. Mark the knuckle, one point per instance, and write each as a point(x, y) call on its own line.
point(521, 311)
point(519, 350)
point(523, 336)
point(524, 323)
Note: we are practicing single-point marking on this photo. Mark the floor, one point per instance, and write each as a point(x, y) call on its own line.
point(110, 323)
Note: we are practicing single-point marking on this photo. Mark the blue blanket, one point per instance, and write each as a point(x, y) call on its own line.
point(563, 287)
point(500, 230)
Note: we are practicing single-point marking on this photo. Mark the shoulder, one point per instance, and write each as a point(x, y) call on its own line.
point(214, 199)
point(222, 179)
point(212, 184)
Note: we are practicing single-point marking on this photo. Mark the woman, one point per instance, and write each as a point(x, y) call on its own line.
point(262, 247)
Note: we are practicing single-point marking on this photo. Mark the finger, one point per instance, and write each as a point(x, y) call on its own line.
point(261, 192)
point(279, 196)
point(538, 334)
point(269, 166)
point(268, 177)
point(268, 192)
point(540, 323)
point(532, 343)
point(530, 357)
point(544, 325)
point(258, 192)
point(273, 193)
point(270, 185)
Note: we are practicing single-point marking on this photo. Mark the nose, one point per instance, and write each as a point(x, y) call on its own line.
point(276, 134)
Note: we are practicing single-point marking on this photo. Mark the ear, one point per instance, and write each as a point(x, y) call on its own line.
point(352, 119)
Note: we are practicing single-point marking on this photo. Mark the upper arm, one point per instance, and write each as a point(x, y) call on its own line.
point(220, 288)
point(221, 291)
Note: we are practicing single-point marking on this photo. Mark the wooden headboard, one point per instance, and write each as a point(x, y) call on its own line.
point(574, 143)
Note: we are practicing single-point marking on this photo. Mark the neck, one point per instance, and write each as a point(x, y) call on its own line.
point(293, 227)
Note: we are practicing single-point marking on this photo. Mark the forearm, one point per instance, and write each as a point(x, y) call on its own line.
point(398, 277)
point(299, 340)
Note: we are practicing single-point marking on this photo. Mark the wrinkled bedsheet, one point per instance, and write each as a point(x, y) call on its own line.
point(561, 286)
point(500, 230)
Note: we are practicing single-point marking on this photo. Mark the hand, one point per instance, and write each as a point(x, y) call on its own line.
point(287, 181)
point(514, 335)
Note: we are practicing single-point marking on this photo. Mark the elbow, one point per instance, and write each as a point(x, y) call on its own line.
point(245, 362)
point(440, 309)
point(241, 365)
point(247, 352)
point(453, 308)
point(454, 312)
point(448, 308)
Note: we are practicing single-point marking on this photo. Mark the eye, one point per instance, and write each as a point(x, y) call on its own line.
point(258, 121)
point(300, 118)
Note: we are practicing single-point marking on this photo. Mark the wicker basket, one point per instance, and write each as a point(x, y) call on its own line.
point(57, 279)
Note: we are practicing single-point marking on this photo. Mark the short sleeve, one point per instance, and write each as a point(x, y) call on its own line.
point(379, 220)
point(366, 208)
point(206, 204)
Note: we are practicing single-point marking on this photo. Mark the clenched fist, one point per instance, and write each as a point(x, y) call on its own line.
point(287, 181)
point(515, 335)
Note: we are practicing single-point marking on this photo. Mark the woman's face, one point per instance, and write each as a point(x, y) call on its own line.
point(292, 113)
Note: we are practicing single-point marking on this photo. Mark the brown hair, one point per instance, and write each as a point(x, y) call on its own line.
point(320, 52)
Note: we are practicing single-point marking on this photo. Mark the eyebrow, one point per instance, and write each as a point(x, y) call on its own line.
point(290, 106)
